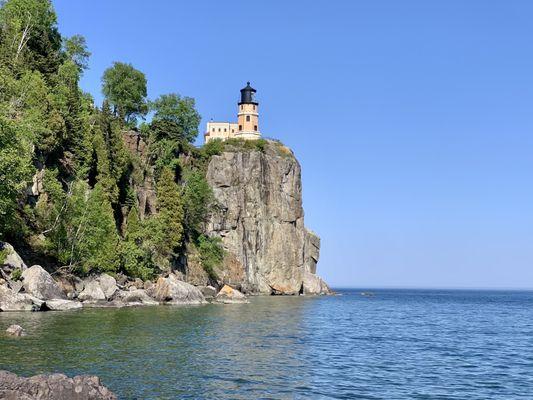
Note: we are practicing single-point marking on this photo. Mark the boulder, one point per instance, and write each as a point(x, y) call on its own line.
point(11, 257)
point(15, 330)
point(228, 295)
point(313, 284)
point(92, 291)
point(62, 305)
point(98, 288)
point(52, 387)
point(108, 285)
point(11, 301)
point(39, 283)
point(209, 292)
point(174, 291)
point(135, 297)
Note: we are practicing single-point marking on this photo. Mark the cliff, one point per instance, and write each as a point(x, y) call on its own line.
point(260, 218)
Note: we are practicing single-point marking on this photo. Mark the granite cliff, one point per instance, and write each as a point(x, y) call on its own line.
point(260, 218)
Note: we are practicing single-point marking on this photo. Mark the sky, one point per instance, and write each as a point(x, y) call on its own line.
point(412, 120)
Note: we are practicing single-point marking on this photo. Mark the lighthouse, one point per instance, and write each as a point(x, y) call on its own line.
point(247, 126)
point(248, 114)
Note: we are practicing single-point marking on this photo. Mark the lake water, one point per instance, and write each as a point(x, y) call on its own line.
point(397, 344)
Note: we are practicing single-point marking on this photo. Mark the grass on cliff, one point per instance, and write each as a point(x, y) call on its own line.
point(217, 146)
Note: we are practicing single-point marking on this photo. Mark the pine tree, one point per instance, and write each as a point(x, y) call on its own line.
point(168, 224)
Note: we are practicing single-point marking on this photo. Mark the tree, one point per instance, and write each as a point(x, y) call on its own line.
point(125, 89)
point(169, 225)
point(197, 200)
point(135, 255)
point(175, 118)
point(29, 35)
point(75, 49)
point(15, 169)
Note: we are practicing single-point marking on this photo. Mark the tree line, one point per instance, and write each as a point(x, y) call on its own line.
point(83, 210)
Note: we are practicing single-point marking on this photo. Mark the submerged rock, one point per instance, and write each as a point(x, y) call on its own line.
point(174, 291)
point(39, 283)
point(229, 295)
point(15, 330)
point(52, 387)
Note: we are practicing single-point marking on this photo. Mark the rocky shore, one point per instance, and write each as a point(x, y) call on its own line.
point(37, 290)
point(52, 387)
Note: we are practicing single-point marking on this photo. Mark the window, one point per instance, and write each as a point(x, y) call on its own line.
point(233, 131)
point(213, 129)
point(254, 106)
point(240, 127)
point(219, 129)
point(247, 118)
point(224, 129)
point(241, 106)
point(255, 127)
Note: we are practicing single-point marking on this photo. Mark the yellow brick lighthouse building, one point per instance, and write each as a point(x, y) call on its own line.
point(247, 126)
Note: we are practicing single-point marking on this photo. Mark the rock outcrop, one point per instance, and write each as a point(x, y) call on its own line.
point(52, 387)
point(260, 218)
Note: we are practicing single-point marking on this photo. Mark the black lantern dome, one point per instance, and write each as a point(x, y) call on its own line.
point(248, 95)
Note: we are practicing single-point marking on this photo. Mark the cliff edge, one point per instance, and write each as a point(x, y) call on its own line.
point(260, 218)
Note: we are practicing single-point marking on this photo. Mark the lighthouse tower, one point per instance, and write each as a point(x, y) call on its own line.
point(248, 115)
point(247, 126)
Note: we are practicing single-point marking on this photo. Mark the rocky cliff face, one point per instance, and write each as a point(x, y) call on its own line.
point(260, 218)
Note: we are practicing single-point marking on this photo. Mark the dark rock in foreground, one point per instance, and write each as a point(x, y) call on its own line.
point(52, 387)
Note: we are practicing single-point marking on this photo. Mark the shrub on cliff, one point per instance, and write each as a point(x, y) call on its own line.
point(211, 254)
point(197, 199)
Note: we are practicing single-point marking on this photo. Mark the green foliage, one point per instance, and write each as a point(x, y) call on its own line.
point(175, 118)
point(29, 37)
point(15, 169)
point(168, 229)
point(80, 227)
point(197, 199)
point(211, 254)
point(136, 257)
point(243, 144)
point(16, 274)
point(47, 123)
point(212, 148)
point(125, 89)
point(75, 49)
point(3, 256)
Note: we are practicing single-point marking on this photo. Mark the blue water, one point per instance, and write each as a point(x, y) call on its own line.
point(397, 344)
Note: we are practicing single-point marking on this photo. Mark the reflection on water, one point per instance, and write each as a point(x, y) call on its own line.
point(395, 345)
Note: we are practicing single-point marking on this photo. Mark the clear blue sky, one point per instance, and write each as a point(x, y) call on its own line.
point(413, 120)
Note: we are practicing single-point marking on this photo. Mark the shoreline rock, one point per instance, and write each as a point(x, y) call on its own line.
point(53, 387)
point(40, 284)
point(229, 295)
